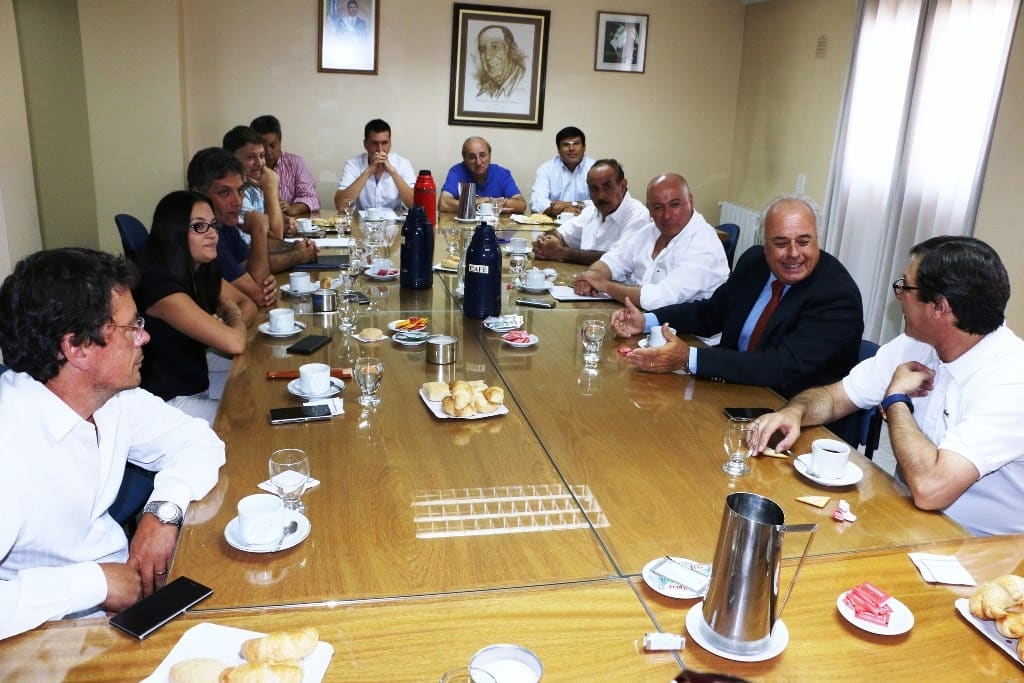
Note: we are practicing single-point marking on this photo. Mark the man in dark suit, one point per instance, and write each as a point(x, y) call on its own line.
point(790, 315)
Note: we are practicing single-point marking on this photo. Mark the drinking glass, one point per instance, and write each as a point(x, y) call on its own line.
point(740, 438)
point(369, 372)
point(517, 265)
point(348, 207)
point(499, 204)
point(348, 312)
point(289, 472)
point(592, 333)
point(452, 236)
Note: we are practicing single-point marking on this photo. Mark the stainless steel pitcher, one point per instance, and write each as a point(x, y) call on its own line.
point(467, 200)
point(739, 609)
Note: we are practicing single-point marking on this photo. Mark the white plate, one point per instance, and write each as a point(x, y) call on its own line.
point(525, 220)
point(225, 643)
point(295, 388)
point(385, 215)
point(522, 345)
point(287, 289)
point(234, 537)
point(442, 269)
point(265, 329)
point(987, 628)
point(853, 474)
point(399, 338)
point(900, 621)
point(695, 626)
point(670, 588)
point(372, 274)
point(368, 341)
point(435, 408)
point(536, 290)
point(393, 326)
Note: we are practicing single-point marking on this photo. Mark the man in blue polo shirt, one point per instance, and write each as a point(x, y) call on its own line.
point(491, 180)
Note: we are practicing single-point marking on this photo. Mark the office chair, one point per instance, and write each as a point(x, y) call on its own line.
point(133, 235)
point(870, 420)
point(733, 231)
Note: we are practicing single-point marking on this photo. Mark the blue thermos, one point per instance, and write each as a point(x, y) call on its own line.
point(417, 271)
point(482, 296)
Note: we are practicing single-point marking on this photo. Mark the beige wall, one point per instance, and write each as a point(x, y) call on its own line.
point(788, 100)
point(999, 216)
point(677, 116)
point(19, 222)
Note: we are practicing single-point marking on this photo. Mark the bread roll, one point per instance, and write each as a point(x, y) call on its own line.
point(462, 392)
point(466, 411)
point(495, 395)
point(435, 391)
point(995, 598)
point(263, 673)
point(450, 262)
point(1012, 625)
point(448, 405)
point(197, 670)
point(281, 646)
point(482, 405)
point(371, 333)
point(1020, 649)
point(477, 385)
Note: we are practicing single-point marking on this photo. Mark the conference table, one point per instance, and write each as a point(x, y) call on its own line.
point(432, 538)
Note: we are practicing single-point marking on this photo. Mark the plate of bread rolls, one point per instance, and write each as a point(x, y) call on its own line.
point(463, 400)
point(221, 654)
point(997, 610)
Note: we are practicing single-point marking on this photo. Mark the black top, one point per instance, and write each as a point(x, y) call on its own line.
point(174, 364)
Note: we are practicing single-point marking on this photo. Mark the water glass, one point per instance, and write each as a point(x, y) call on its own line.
point(517, 265)
point(289, 472)
point(348, 207)
point(499, 204)
point(452, 235)
point(592, 334)
point(740, 439)
point(369, 372)
point(348, 312)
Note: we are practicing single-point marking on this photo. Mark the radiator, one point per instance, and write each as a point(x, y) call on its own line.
point(746, 218)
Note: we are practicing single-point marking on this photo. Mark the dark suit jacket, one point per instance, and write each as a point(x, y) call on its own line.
point(812, 339)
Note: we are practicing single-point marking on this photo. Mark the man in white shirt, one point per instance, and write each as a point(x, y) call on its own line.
point(561, 183)
point(612, 214)
point(378, 177)
point(675, 259)
point(73, 417)
point(951, 388)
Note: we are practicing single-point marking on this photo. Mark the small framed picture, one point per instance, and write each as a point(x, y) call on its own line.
point(621, 42)
point(348, 38)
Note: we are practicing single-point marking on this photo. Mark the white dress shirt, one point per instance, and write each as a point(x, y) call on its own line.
point(61, 474)
point(381, 193)
point(690, 268)
point(554, 181)
point(591, 231)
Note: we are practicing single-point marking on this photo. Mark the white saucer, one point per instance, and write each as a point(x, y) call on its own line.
point(234, 538)
point(294, 387)
point(695, 626)
point(522, 345)
point(670, 588)
point(900, 621)
point(287, 289)
point(466, 220)
point(443, 269)
point(372, 274)
point(853, 474)
point(507, 250)
point(399, 338)
point(536, 290)
point(265, 329)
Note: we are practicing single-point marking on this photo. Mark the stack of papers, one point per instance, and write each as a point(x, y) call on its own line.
point(942, 569)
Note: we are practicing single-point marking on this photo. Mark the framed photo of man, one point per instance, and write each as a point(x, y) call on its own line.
point(499, 66)
point(621, 42)
point(348, 38)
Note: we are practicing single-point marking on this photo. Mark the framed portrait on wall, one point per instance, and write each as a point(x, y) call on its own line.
point(348, 38)
point(621, 42)
point(499, 66)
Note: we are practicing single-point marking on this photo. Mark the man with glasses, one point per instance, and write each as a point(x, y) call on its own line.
point(951, 388)
point(561, 182)
point(73, 417)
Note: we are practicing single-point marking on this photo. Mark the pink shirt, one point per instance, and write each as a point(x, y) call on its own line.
point(297, 184)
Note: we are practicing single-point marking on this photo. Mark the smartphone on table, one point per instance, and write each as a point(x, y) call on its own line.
point(153, 611)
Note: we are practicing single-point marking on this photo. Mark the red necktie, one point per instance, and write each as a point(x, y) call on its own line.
point(766, 314)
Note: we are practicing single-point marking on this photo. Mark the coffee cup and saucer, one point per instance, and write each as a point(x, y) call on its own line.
point(281, 323)
point(828, 464)
point(261, 524)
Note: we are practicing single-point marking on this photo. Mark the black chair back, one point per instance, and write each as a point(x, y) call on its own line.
point(870, 420)
point(733, 231)
point(133, 235)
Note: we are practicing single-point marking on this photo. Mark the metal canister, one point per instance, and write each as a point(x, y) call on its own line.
point(325, 301)
point(442, 349)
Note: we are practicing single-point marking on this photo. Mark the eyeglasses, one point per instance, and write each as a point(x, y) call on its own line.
point(901, 286)
point(202, 227)
point(138, 328)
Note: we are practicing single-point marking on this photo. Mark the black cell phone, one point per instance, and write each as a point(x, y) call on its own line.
point(280, 416)
point(749, 413)
point(308, 344)
point(535, 303)
point(150, 613)
point(358, 297)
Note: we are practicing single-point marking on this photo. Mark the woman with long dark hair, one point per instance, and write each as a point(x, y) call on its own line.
point(188, 306)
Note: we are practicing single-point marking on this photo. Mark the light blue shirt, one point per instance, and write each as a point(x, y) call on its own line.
point(554, 181)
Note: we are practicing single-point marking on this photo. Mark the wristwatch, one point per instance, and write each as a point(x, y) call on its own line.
point(888, 401)
point(166, 511)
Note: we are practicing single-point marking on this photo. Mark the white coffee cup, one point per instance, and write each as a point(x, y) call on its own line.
point(656, 338)
point(299, 282)
point(535, 278)
point(518, 245)
point(260, 518)
point(282, 320)
point(485, 209)
point(566, 216)
point(373, 214)
point(315, 378)
point(305, 224)
point(829, 458)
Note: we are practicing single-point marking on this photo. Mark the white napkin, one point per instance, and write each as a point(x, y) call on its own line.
point(565, 293)
point(942, 569)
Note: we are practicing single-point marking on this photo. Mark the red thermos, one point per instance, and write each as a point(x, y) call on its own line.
point(424, 194)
